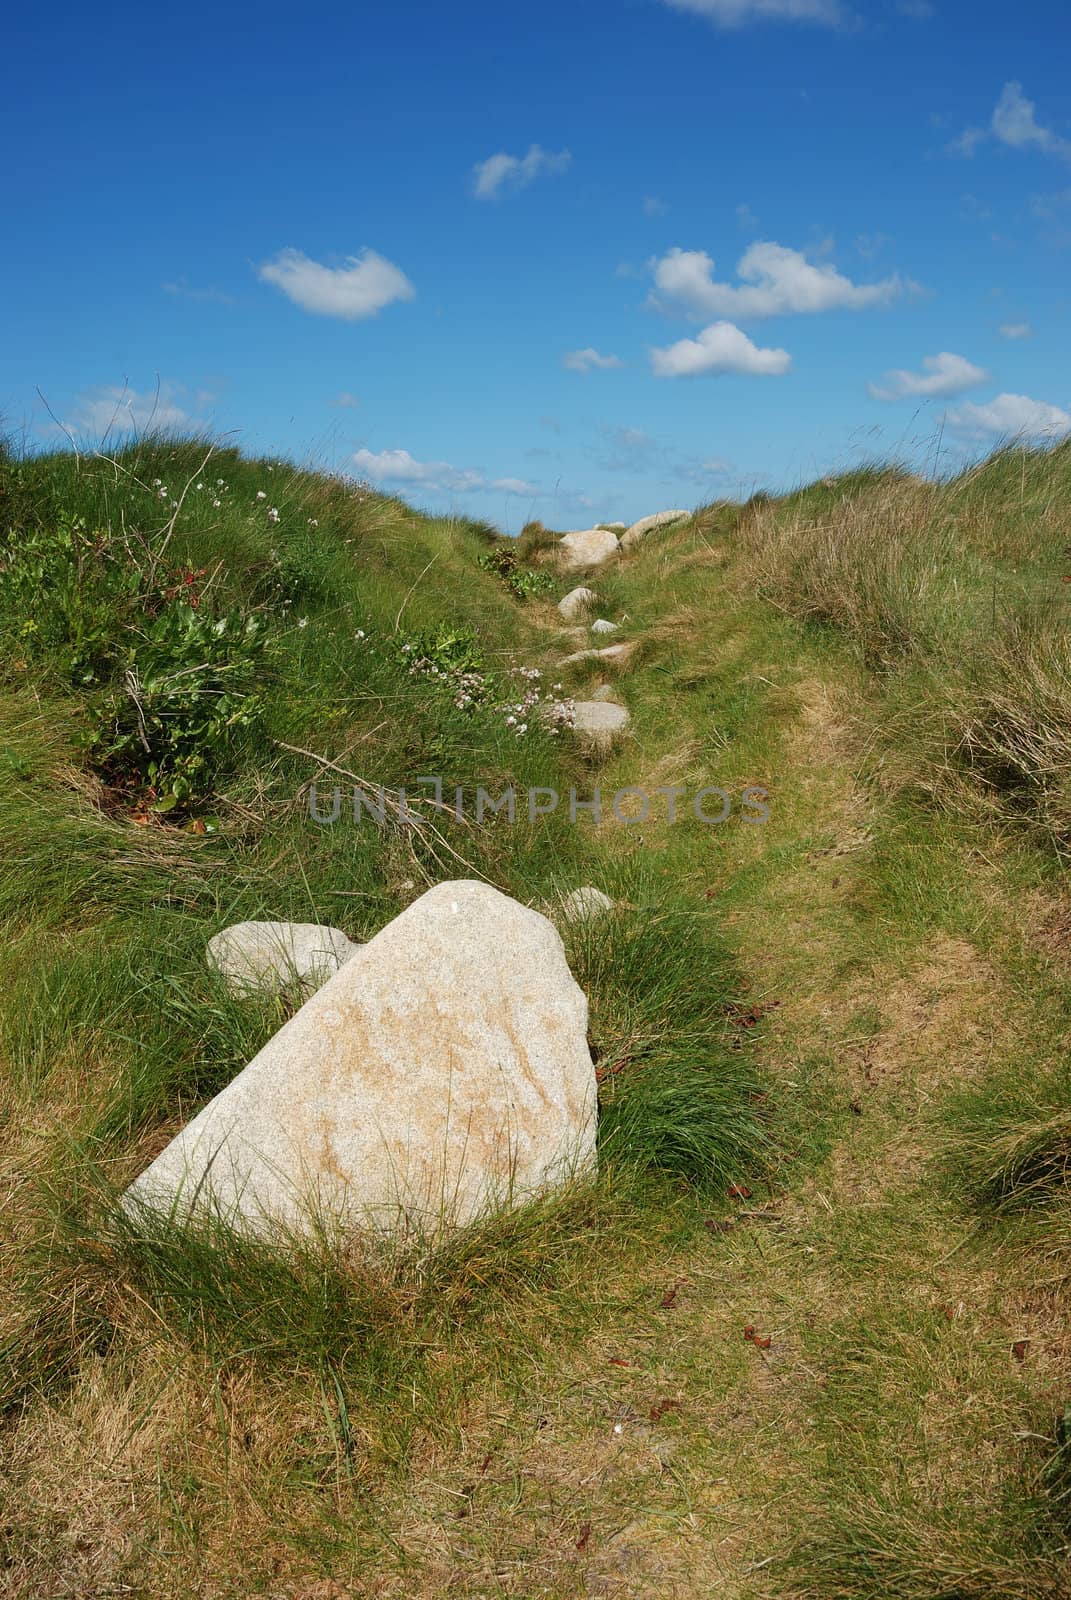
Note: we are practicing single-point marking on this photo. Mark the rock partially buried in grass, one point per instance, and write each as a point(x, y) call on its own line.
point(270, 957)
point(614, 654)
point(581, 905)
point(443, 1072)
point(588, 548)
point(598, 722)
point(640, 530)
point(601, 625)
point(576, 602)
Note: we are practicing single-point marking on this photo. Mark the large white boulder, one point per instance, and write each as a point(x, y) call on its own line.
point(640, 530)
point(442, 1072)
point(588, 548)
point(273, 956)
point(576, 602)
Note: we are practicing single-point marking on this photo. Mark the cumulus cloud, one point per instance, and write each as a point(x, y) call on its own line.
point(398, 466)
point(362, 286)
point(719, 348)
point(942, 374)
point(498, 173)
point(588, 360)
point(1015, 330)
point(735, 13)
point(776, 281)
point(116, 409)
point(1011, 416)
point(1014, 123)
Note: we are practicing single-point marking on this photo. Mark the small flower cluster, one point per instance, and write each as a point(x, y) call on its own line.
point(217, 492)
point(470, 687)
point(164, 493)
point(555, 713)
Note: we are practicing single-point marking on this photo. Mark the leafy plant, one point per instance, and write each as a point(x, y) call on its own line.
point(63, 589)
point(453, 658)
point(522, 582)
point(187, 689)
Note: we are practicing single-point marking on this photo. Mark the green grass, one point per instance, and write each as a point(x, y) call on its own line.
point(830, 1048)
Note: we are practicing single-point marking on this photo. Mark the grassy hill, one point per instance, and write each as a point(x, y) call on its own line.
point(806, 1335)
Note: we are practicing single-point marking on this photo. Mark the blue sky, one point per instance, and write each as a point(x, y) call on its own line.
point(579, 260)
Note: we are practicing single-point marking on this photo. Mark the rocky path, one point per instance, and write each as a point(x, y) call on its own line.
point(838, 1335)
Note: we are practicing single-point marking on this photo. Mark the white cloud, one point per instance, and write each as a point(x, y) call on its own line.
point(116, 409)
point(703, 471)
point(777, 281)
point(1014, 123)
point(491, 177)
point(719, 348)
point(1011, 416)
point(589, 359)
point(943, 374)
point(735, 13)
point(516, 486)
point(398, 466)
point(362, 286)
point(1015, 330)
point(345, 401)
point(653, 206)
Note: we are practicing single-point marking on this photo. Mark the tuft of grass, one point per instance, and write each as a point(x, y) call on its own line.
point(678, 1090)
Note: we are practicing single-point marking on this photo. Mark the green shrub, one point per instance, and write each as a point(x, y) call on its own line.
point(522, 582)
point(186, 690)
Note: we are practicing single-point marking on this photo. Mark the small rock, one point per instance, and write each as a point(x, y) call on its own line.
point(576, 602)
point(597, 722)
point(646, 525)
point(600, 625)
point(615, 654)
point(580, 905)
point(271, 956)
point(443, 1072)
point(588, 548)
